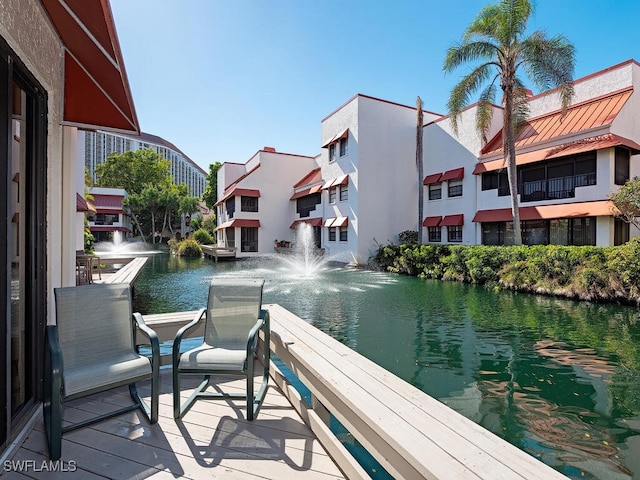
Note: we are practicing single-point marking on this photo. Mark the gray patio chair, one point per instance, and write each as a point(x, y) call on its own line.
point(93, 349)
point(233, 319)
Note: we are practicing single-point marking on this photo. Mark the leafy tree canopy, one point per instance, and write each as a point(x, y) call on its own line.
point(134, 171)
point(210, 195)
point(627, 201)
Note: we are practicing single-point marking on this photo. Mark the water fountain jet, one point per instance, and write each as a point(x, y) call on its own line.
point(306, 259)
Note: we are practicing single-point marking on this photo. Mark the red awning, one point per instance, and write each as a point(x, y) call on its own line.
point(341, 180)
point(452, 220)
point(341, 222)
point(236, 192)
point(239, 222)
point(601, 208)
point(314, 222)
point(432, 221)
point(335, 138)
point(455, 174)
point(96, 89)
point(82, 205)
point(306, 191)
point(433, 178)
point(329, 221)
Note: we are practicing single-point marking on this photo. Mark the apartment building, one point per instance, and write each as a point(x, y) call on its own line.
point(361, 190)
point(98, 145)
point(108, 216)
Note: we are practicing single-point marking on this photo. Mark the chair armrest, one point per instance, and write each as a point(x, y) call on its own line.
point(252, 338)
point(178, 338)
point(153, 337)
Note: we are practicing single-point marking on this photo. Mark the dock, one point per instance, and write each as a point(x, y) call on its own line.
point(217, 252)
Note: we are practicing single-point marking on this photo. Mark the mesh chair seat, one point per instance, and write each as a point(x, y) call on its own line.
point(96, 377)
point(206, 357)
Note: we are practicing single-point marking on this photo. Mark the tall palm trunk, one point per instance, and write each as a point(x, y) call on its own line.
point(509, 150)
point(419, 131)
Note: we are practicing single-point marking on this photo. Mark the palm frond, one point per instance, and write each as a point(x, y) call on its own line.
point(462, 92)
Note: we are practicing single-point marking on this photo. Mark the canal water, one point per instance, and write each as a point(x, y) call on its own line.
point(557, 378)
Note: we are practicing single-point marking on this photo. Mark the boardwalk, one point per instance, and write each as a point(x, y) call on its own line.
point(213, 440)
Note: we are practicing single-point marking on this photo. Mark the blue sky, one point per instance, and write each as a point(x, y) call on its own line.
point(221, 79)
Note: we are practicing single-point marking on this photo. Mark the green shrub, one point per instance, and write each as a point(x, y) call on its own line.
point(408, 237)
point(173, 245)
point(203, 237)
point(189, 248)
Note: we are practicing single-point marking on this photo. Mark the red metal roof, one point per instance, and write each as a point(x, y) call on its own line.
point(311, 178)
point(101, 201)
point(433, 178)
point(82, 205)
point(314, 222)
point(96, 89)
point(600, 208)
point(579, 146)
point(597, 112)
point(306, 191)
point(455, 174)
point(432, 221)
point(452, 220)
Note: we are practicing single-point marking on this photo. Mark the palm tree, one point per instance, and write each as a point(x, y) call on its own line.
point(496, 38)
point(419, 126)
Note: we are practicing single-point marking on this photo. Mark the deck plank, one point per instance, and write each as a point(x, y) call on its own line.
point(213, 440)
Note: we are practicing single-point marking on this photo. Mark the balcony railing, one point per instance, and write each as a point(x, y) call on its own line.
point(555, 188)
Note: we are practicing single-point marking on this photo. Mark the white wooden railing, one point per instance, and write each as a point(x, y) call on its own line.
point(411, 434)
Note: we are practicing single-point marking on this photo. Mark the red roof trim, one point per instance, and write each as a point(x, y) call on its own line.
point(239, 222)
point(314, 222)
point(600, 208)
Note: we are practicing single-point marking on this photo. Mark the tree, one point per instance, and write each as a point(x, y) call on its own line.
point(627, 201)
point(419, 131)
point(134, 171)
point(496, 38)
point(210, 195)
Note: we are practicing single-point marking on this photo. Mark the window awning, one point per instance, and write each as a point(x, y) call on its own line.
point(572, 148)
point(82, 205)
point(96, 89)
point(239, 222)
point(452, 220)
point(336, 222)
point(245, 192)
point(433, 178)
point(314, 222)
point(306, 191)
point(455, 174)
point(432, 221)
point(601, 208)
point(341, 180)
point(335, 138)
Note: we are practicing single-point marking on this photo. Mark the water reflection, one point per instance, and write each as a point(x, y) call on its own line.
point(557, 378)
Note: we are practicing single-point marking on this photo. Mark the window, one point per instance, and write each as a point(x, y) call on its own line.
point(455, 188)
point(454, 233)
point(332, 234)
point(305, 205)
point(344, 193)
point(622, 166)
point(332, 194)
point(497, 233)
point(343, 234)
point(435, 191)
point(230, 205)
point(620, 232)
point(231, 236)
point(344, 146)
point(557, 179)
point(248, 204)
point(435, 234)
point(332, 152)
point(249, 239)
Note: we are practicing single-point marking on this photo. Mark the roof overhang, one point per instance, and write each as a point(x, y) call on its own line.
point(243, 192)
point(96, 89)
point(239, 222)
point(571, 148)
point(306, 191)
point(314, 222)
point(600, 208)
point(82, 205)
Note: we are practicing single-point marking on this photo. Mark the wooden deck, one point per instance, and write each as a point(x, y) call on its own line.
point(216, 252)
point(213, 440)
